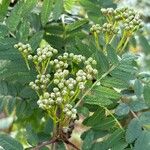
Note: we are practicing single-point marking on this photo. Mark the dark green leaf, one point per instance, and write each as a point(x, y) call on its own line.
point(76, 25)
point(3, 8)
point(122, 109)
point(133, 131)
point(143, 141)
point(9, 143)
point(58, 9)
point(46, 10)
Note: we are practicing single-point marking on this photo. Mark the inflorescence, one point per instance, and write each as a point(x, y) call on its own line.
point(66, 80)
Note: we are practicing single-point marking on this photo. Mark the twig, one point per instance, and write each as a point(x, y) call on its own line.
point(44, 144)
point(71, 144)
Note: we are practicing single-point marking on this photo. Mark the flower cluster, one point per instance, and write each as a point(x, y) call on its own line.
point(66, 82)
point(105, 28)
point(129, 18)
point(41, 82)
point(116, 18)
point(68, 75)
point(43, 54)
point(23, 48)
point(70, 111)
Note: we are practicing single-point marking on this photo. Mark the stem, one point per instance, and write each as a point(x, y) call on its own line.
point(118, 123)
point(125, 44)
point(121, 41)
point(71, 144)
point(103, 76)
point(38, 147)
point(96, 40)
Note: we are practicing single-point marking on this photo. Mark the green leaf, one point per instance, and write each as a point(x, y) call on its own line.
point(112, 140)
point(143, 141)
point(114, 82)
point(23, 31)
point(68, 4)
point(133, 130)
point(95, 118)
point(102, 62)
point(138, 88)
point(46, 10)
point(76, 25)
point(36, 39)
point(88, 140)
point(58, 9)
point(3, 8)
point(60, 146)
point(105, 124)
point(121, 145)
point(32, 137)
point(122, 109)
point(3, 30)
point(94, 100)
point(146, 94)
point(21, 10)
point(137, 105)
point(111, 54)
point(105, 92)
point(9, 143)
point(145, 45)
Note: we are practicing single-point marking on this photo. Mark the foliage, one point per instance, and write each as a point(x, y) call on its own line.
point(112, 100)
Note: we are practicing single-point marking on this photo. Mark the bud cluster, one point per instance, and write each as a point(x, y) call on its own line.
point(129, 18)
point(105, 28)
point(69, 75)
point(23, 48)
point(41, 82)
point(70, 111)
point(43, 54)
point(66, 83)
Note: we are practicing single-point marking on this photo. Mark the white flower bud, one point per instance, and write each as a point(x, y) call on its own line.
point(89, 77)
point(65, 110)
point(55, 51)
point(52, 95)
point(40, 59)
point(95, 71)
point(79, 79)
point(46, 95)
point(74, 110)
point(42, 86)
point(64, 92)
point(56, 81)
point(59, 100)
point(73, 116)
point(65, 129)
point(51, 101)
point(72, 93)
point(55, 89)
point(25, 51)
point(58, 94)
point(68, 113)
point(51, 62)
point(61, 85)
point(70, 86)
point(30, 57)
point(69, 106)
point(43, 56)
point(31, 83)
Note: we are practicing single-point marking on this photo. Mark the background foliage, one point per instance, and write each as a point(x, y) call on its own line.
point(116, 110)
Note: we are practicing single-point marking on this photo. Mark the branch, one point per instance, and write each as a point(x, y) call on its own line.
point(71, 144)
point(44, 144)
